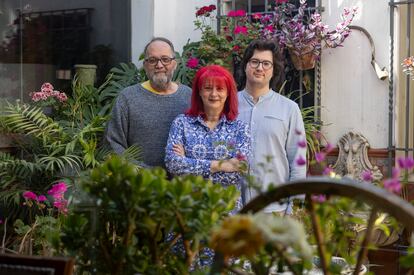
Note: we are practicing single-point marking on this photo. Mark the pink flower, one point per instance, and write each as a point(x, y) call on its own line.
point(367, 176)
point(406, 163)
point(302, 143)
point(41, 198)
point(61, 205)
point(231, 13)
point(320, 156)
point(241, 157)
point(47, 88)
point(393, 185)
point(300, 161)
point(62, 97)
point(240, 13)
point(281, 1)
point(269, 28)
point(256, 16)
point(240, 29)
point(57, 191)
point(29, 195)
point(327, 171)
point(192, 63)
point(237, 13)
point(329, 147)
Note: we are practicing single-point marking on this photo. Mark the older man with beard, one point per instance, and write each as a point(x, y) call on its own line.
point(143, 113)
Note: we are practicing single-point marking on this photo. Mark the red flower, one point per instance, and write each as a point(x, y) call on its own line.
point(237, 13)
point(236, 48)
point(240, 29)
point(281, 1)
point(205, 10)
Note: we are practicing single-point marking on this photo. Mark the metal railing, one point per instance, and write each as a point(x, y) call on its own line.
point(409, 121)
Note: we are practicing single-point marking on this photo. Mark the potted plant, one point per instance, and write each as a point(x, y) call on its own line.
point(304, 35)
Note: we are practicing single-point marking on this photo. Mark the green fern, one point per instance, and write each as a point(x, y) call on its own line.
point(18, 167)
point(30, 120)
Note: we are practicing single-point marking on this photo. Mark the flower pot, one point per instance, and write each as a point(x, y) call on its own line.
point(47, 111)
point(86, 73)
point(303, 61)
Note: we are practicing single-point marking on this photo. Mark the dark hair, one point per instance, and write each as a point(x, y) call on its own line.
point(215, 73)
point(163, 39)
point(278, 63)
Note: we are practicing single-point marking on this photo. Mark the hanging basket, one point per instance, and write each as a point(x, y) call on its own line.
point(305, 61)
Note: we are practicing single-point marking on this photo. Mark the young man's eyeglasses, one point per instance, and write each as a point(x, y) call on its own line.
point(165, 60)
point(254, 64)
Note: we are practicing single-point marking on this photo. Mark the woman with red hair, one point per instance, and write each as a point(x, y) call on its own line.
point(208, 140)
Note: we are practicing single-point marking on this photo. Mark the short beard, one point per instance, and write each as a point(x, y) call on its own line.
point(160, 81)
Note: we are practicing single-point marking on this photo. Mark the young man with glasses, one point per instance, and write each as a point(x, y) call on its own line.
point(142, 113)
point(276, 122)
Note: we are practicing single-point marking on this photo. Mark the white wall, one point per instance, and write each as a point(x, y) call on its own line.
point(352, 96)
point(172, 19)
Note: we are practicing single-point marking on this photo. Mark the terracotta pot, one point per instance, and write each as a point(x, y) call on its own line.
point(304, 61)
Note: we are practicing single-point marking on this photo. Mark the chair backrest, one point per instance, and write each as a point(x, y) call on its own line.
point(11, 264)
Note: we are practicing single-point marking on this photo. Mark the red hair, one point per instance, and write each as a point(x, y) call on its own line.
point(214, 73)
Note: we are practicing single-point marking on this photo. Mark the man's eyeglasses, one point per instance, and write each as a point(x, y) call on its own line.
point(254, 64)
point(165, 60)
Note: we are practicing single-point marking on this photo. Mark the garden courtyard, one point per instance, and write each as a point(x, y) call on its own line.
point(71, 204)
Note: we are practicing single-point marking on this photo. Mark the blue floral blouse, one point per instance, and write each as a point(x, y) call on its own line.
point(202, 145)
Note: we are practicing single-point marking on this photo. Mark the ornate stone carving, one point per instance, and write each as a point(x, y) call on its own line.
point(353, 157)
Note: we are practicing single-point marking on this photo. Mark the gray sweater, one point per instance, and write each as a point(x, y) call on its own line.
point(144, 118)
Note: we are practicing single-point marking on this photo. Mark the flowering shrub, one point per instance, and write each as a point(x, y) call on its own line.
point(295, 30)
point(44, 221)
point(48, 96)
point(408, 66)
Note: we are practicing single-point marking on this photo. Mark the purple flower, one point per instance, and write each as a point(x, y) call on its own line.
point(320, 156)
point(302, 143)
point(298, 132)
point(192, 63)
point(327, 171)
point(367, 176)
point(393, 185)
point(406, 163)
point(29, 195)
point(300, 161)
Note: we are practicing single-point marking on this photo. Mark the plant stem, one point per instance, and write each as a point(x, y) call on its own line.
point(4, 236)
point(318, 235)
point(364, 246)
point(25, 236)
